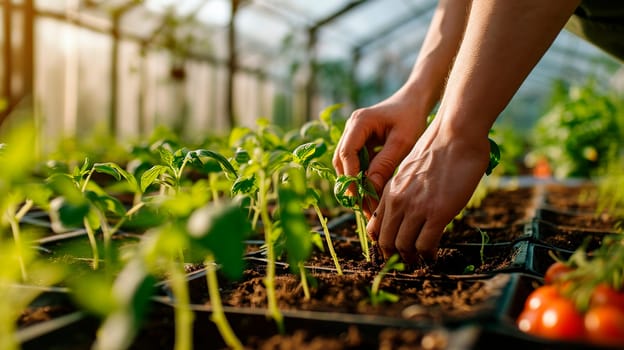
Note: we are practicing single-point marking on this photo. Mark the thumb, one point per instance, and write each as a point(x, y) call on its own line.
point(382, 167)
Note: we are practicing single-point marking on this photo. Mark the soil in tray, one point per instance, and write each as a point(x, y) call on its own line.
point(569, 238)
point(45, 307)
point(460, 233)
point(500, 208)
point(603, 221)
point(421, 299)
point(457, 260)
point(259, 332)
point(581, 198)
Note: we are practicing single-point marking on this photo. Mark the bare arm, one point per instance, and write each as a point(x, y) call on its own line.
point(397, 122)
point(502, 43)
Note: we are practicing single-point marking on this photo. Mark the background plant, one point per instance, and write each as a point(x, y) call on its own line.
point(579, 130)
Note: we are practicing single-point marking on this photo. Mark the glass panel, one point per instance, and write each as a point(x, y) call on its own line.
point(215, 12)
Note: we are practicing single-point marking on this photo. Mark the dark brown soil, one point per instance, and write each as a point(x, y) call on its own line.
point(37, 314)
point(453, 260)
point(581, 198)
point(429, 299)
point(460, 233)
point(501, 208)
point(567, 238)
point(389, 338)
point(601, 221)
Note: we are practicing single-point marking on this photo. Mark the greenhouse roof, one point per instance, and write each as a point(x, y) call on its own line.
point(373, 28)
point(272, 35)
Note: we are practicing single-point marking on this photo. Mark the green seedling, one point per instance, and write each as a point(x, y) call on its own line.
point(219, 229)
point(355, 201)
point(378, 296)
point(169, 173)
point(297, 234)
point(485, 239)
point(83, 202)
point(122, 304)
point(305, 155)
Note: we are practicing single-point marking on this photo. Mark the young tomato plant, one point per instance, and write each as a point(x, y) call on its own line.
point(211, 233)
point(378, 296)
point(297, 234)
point(170, 170)
point(261, 160)
point(305, 155)
point(363, 191)
point(20, 263)
point(81, 201)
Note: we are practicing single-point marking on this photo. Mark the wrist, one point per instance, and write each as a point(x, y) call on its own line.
point(418, 97)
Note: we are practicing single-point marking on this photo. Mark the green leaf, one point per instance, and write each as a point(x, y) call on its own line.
point(245, 185)
point(221, 229)
point(93, 218)
point(304, 153)
point(313, 129)
point(85, 166)
point(277, 159)
point(150, 175)
point(93, 292)
point(106, 203)
point(326, 114)
point(131, 294)
point(63, 185)
point(166, 156)
point(340, 191)
point(107, 168)
point(225, 164)
point(494, 157)
point(116, 171)
point(296, 230)
point(241, 156)
point(64, 213)
point(469, 269)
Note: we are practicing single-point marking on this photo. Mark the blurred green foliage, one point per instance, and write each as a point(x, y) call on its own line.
point(580, 131)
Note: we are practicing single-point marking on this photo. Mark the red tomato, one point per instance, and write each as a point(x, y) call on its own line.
point(604, 294)
point(605, 325)
point(561, 320)
point(541, 296)
point(528, 320)
point(555, 271)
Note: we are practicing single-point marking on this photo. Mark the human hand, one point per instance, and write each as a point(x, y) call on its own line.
point(432, 185)
point(393, 124)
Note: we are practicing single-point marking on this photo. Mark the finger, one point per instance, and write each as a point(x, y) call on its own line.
point(369, 206)
point(429, 239)
point(336, 158)
point(385, 162)
point(390, 224)
point(407, 235)
point(374, 223)
point(353, 140)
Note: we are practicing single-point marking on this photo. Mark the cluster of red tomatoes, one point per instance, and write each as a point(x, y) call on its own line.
point(550, 312)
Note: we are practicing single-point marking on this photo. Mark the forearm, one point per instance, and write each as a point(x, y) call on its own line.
point(428, 76)
point(503, 41)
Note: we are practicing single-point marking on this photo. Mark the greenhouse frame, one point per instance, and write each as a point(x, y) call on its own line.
point(175, 176)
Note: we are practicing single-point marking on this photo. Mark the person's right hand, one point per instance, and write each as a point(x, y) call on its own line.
point(388, 130)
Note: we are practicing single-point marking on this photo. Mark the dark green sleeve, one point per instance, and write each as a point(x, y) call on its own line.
point(600, 22)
